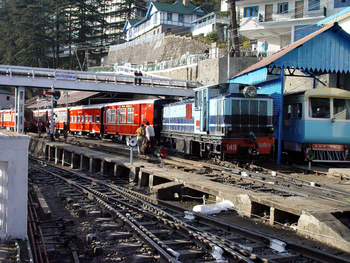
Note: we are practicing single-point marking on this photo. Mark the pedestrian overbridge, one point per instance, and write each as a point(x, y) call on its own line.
point(43, 78)
point(56, 79)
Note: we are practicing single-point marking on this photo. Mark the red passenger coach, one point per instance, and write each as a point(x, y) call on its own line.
point(7, 119)
point(60, 116)
point(86, 119)
point(123, 118)
point(42, 116)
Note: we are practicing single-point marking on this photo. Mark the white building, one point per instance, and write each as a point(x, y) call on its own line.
point(280, 23)
point(7, 99)
point(209, 23)
point(164, 18)
point(343, 19)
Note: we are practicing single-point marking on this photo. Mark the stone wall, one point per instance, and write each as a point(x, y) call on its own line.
point(171, 47)
point(210, 71)
point(207, 72)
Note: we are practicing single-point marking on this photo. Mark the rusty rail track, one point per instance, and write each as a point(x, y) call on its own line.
point(158, 224)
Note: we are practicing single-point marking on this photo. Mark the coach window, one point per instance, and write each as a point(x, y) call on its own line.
point(90, 118)
point(97, 118)
point(341, 109)
point(123, 115)
point(108, 116)
point(319, 108)
point(118, 115)
point(86, 118)
point(113, 115)
point(130, 115)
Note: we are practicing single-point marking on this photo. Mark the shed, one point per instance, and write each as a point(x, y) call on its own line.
point(324, 51)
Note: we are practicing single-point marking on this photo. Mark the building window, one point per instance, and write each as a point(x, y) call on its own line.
point(251, 11)
point(181, 18)
point(7, 97)
point(314, 5)
point(303, 31)
point(282, 8)
point(170, 16)
point(341, 3)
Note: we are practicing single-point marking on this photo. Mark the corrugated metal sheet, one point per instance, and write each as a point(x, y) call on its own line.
point(273, 89)
point(326, 50)
point(252, 78)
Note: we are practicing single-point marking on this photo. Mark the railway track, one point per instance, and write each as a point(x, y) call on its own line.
point(246, 176)
point(169, 233)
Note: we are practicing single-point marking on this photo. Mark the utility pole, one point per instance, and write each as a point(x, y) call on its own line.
point(234, 28)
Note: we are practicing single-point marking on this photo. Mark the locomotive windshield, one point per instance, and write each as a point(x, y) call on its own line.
point(341, 109)
point(321, 108)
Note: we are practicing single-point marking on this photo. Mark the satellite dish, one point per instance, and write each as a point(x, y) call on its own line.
point(249, 91)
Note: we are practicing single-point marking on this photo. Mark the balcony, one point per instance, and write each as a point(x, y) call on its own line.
point(292, 15)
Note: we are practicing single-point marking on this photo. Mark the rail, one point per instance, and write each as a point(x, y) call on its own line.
point(73, 75)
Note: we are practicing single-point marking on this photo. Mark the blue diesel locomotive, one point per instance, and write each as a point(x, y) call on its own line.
point(316, 124)
point(221, 120)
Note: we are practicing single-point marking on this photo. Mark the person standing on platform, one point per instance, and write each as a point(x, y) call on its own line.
point(40, 126)
point(150, 136)
point(135, 75)
point(140, 75)
point(65, 131)
point(140, 136)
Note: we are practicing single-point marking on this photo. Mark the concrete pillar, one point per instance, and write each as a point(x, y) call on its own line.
point(143, 179)
point(56, 155)
point(272, 215)
point(14, 186)
point(20, 99)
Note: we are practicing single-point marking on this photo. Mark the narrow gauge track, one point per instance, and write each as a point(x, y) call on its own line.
point(256, 178)
point(251, 177)
point(178, 238)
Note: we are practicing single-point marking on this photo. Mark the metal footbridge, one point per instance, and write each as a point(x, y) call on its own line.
point(56, 79)
point(44, 78)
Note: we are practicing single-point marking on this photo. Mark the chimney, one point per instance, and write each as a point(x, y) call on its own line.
point(185, 2)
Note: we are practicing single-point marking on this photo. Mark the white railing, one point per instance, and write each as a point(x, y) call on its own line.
point(70, 75)
point(135, 42)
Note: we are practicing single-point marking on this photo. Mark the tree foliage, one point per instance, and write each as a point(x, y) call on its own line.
point(57, 34)
point(36, 32)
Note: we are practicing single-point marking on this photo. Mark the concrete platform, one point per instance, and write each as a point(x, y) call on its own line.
point(309, 216)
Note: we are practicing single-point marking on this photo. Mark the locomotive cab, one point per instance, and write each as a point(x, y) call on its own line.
point(223, 119)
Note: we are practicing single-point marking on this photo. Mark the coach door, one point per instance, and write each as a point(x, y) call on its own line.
point(205, 111)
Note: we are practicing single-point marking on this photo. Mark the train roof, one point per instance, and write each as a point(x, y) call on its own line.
point(92, 106)
point(321, 92)
point(327, 92)
point(145, 101)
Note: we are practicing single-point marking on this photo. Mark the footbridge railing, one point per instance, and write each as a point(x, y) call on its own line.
point(71, 79)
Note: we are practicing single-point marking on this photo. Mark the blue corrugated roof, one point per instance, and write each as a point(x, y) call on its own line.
point(326, 50)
